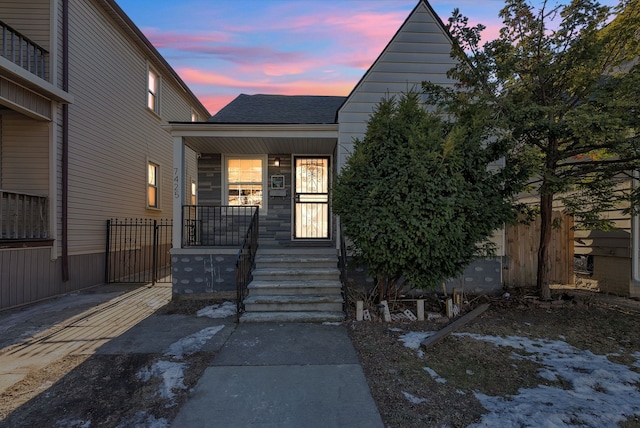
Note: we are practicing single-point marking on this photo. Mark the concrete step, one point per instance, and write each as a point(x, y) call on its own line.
point(287, 251)
point(306, 303)
point(283, 287)
point(292, 317)
point(299, 261)
point(296, 273)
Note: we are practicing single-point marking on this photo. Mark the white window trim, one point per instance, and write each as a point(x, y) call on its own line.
point(158, 184)
point(265, 176)
point(156, 109)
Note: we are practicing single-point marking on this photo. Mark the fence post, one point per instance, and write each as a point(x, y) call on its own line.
point(154, 274)
point(108, 260)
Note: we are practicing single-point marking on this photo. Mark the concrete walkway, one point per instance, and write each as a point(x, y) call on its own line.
point(77, 324)
point(283, 375)
point(263, 375)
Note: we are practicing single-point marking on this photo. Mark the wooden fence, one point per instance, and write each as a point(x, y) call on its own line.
point(522, 241)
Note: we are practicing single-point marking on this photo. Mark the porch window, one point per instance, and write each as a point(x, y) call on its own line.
point(245, 181)
point(152, 185)
point(193, 192)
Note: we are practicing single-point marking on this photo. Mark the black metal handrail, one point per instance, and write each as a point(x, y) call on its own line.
point(245, 261)
point(215, 225)
point(22, 51)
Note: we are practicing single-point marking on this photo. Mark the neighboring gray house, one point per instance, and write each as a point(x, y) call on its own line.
point(281, 153)
point(83, 97)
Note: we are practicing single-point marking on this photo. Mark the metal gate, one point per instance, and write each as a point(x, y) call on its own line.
point(138, 250)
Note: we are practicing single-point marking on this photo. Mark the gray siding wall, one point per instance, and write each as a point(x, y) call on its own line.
point(418, 52)
point(29, 275)
point(24, 154)
point(31, 18)
point(112, 134)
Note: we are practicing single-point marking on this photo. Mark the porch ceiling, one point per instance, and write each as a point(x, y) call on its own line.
point(257, 138)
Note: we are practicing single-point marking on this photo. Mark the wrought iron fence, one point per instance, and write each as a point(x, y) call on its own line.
point(22, 51)
point(23, 216)
point(216, 226)
point(138, 250)
point(245, 261)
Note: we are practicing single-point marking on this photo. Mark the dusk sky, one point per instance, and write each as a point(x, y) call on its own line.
point(222, 48)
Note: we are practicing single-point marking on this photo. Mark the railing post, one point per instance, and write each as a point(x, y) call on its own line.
point(155, 253)
point(107, 252)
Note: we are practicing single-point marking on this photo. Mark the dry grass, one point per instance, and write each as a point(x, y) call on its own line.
point(470, 365)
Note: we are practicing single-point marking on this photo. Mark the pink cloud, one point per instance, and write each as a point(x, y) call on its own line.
point(216, 44)
point(292, 87)
point(163, 39)
point(214, 103)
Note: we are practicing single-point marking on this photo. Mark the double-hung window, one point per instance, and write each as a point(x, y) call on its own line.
point(245, 178)
point(153, 84)
point(153, 180)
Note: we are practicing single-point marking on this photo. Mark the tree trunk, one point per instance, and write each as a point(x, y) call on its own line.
point(544, 269)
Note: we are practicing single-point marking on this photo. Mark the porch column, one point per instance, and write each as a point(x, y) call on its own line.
point(178, 190)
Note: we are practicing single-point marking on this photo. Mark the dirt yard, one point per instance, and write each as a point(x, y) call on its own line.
point(510, 357)
point(445, 384)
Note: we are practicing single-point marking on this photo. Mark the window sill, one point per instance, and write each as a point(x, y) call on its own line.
point(154, 113)
point(25, 243)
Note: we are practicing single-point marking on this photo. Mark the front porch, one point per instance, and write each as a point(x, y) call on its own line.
point(221, 251)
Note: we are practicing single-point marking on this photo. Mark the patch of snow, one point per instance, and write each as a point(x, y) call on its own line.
point(396, 329)
point(460, 392)
point(193, 343)
point(434, 375)
point(413, 399)
point(469, 372)
point(224, 310)
point(331, 323)
point(171, 373)
point(142, 419)
point(636, 355)
point(604, 393)
point(413, 338)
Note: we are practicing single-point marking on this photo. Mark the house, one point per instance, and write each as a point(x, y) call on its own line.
point(280, 154)
point(83, 100)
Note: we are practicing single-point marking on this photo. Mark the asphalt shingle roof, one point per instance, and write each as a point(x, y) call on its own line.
point(303, 109)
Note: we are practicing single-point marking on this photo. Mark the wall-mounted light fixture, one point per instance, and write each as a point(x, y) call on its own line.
point(276, 162)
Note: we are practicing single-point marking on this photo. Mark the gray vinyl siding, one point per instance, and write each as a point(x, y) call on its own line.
point(31, 18)
point(418, 52)
point(112, 134)
point(25, 155)
point(28, 275)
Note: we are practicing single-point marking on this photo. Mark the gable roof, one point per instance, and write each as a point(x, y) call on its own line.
point(437, 21)
point(280, 109)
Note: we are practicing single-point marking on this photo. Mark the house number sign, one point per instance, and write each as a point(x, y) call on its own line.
point(176, 183)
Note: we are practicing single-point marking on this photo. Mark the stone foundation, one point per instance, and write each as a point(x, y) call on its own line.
point(202, 271)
